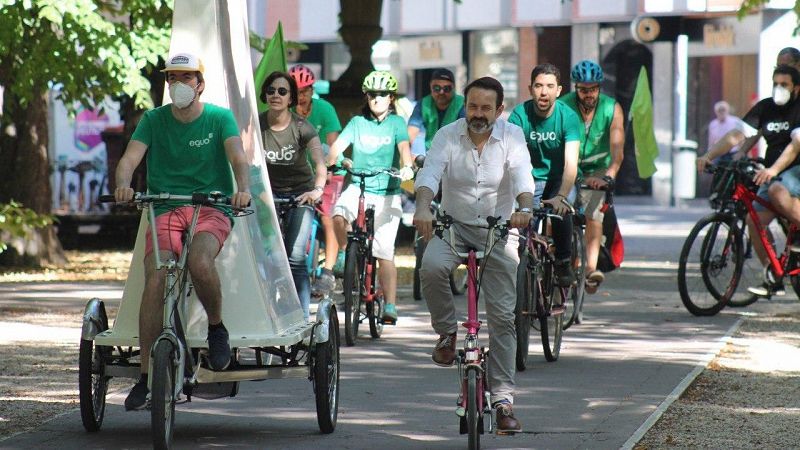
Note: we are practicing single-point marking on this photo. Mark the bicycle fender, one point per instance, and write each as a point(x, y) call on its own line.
point(324, 311)
point(94, 319)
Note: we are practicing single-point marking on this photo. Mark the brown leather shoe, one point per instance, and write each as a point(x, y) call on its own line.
point(444, 354)
point(506, 422)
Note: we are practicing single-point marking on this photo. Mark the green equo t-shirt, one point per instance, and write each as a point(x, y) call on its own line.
point(324, 119)
point(546, 137)
point(375, 147)
point(434, 121)
point(185, 158)
point(595, 150)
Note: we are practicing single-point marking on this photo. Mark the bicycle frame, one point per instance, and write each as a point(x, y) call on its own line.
point(743, 195)
point(363, 233)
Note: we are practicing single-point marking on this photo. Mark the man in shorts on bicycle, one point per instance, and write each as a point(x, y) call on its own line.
point(322, 115)
point(483, 166)
point(600, 155)
point(774, 118)
point(191, 147)
point(553, 132)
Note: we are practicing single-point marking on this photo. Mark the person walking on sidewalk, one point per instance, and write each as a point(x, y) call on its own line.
point(553, 133)
point(191, 147)
point(483, 166)
point(322, 116)
point(600, 155)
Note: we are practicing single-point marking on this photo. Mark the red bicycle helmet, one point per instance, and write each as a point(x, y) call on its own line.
point(302, 75)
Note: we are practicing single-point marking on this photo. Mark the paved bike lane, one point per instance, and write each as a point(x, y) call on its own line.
point(636, 345)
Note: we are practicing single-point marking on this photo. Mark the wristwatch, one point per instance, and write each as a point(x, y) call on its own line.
point(524, 210)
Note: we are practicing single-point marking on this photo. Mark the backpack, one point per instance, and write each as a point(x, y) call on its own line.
point(612, 248)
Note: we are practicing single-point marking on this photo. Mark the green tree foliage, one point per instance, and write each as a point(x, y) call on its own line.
point(749, 6)
point(17, 223)
point(87, 50)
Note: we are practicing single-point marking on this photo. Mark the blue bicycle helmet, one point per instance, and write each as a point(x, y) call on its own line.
point(587, 71)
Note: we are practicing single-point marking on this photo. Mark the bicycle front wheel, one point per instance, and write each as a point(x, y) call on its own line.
point(352, 293)
point(162, 412)
point(524, 312)
point(375, 311)
point(710, 264)
point(551, 314)
point(574, 305)
point(473, 414)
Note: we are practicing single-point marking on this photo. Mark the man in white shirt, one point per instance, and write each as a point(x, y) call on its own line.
point(483, 166)
point(722, 124)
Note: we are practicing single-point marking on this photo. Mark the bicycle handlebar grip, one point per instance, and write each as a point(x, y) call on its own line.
point(107, 198)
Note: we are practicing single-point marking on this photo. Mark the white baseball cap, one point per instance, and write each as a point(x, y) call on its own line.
point(184, 62)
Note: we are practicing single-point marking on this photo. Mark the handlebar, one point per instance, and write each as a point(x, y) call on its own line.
point(198, 198)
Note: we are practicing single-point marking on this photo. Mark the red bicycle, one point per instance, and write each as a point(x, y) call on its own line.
point(711, 260)
point(362, 298)
point(473, 399)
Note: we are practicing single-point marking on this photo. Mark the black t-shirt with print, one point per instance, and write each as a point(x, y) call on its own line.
point(776, 124)
point(287, 153)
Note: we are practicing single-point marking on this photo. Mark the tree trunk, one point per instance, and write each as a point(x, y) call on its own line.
point(26, 177)
point(361, 28)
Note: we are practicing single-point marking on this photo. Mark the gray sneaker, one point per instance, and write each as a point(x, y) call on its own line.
point(324, 284)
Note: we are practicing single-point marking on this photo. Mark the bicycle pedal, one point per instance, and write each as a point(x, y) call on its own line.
point(557, 310)
point(389, 322)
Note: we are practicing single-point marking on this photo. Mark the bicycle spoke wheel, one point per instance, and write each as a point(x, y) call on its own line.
point(473, 414)
point(419, 250)
point(551, 319)
point(751, 275)
point(574, 305)
point(375, 315)
point(710, 265)
point(326, 378)
point(794, 263)
point(92, 381)
point(524, 311)
point(162, 412)
point(352, 293)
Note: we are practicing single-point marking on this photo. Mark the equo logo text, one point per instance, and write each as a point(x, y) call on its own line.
point(375, 141)
point(541, 137)
point(777, 127)
point(286, 153)
point(201, 142)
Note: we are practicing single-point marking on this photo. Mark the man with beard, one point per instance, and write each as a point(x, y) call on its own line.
point(774, 118)
point(483, 166)
point(599, 157)
point(553, 134)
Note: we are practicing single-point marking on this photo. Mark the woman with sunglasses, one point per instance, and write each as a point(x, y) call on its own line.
point(291, 146)
point(380, 141)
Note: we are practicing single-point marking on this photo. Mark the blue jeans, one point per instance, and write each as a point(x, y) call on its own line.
point(562, 229)
point(297, 230)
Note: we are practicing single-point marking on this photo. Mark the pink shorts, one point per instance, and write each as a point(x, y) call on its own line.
point(171, 225)
point(331, 194)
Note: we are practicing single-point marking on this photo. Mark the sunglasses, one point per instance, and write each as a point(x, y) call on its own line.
point(588, 90)
point(446, 89)
point(378, 94)
point(282, 91)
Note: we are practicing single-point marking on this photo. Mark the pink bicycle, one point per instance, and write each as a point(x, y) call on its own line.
point(473, 398)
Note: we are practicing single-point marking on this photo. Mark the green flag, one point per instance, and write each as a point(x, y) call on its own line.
point(274, 58)
point(643, 136)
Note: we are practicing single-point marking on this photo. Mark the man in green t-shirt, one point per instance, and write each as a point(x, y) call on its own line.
point(441, 107)
point(599, 157)
point(322, 115)
point(553, 134)
point(191, 147)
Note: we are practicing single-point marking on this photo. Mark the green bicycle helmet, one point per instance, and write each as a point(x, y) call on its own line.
point(379, 80)
point(587, 71)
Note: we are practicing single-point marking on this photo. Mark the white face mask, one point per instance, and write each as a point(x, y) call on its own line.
point(182, 95)
point(781, 95)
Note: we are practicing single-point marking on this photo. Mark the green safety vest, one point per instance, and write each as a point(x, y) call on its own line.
point(595, 150)
point(430, 116)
